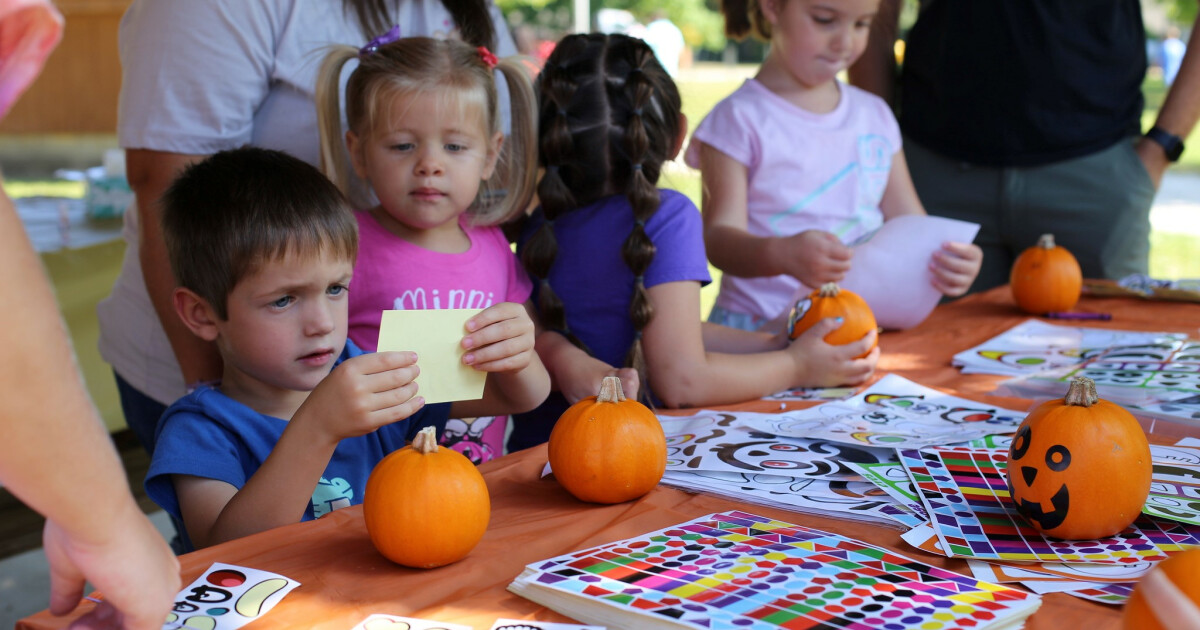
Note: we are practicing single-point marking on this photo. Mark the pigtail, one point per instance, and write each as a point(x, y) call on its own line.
point(516, 172)
point(329, 117)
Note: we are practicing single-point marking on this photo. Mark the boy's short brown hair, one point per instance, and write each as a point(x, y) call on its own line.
point(225, 216)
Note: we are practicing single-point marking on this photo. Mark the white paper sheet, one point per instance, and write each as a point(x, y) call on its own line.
point(891, 269)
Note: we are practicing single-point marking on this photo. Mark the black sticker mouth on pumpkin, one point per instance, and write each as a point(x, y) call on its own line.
point(1033, 511)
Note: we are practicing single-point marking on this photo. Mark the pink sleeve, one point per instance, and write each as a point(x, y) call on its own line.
point(725, 129)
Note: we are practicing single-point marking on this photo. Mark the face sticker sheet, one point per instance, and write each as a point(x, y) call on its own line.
point(812, 393)
point(855, 500)
point(527, 624)
point(739, 570)
point(966, 495)
point(1033, 346)
point(894, 413)
point(226, 597)
point(725, 442)
point(1151, 374)
point(1174, 487)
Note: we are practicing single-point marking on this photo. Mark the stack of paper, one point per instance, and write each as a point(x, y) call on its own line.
point(740, 570)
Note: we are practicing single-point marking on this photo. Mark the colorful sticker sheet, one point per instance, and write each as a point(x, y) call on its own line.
point(1033, 346)
point(965, 493)
point(226, 597)
point(724, 442)
point(894, 412)
point(1174, 492)
point(740, 570)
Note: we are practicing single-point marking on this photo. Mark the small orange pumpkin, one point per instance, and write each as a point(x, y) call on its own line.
point(1079, 467)
point(1183, 570)
point(608, 448)
point(1046, 278)
point(426, 506)
point(833, 301)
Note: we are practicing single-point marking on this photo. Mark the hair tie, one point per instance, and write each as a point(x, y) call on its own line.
point(637, 111)
point(562, 112)
point(553, 168)
point(640, 223)
point(637, 167)
point(488, 58)
point(637, 335)
point(637, 70)
point(639, 279)
point(392, 35)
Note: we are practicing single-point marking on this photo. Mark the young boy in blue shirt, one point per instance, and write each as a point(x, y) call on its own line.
point(262, 246)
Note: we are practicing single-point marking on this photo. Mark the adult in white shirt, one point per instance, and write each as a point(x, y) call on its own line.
point(200, 76)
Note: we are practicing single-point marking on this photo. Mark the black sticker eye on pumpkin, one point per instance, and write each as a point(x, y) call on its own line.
point(1058, 458)
point(1020, 444)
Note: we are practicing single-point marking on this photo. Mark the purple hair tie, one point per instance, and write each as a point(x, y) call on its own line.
point(392, 35)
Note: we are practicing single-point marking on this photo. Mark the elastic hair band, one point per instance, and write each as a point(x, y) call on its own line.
point(553, 168)
point(637, 111)
point(639, 279)
point(637, 70)
point(637, 335)
point(488, 58)
point(392, 35)
point(562, 112)
point(640, 223)
point(637, 167)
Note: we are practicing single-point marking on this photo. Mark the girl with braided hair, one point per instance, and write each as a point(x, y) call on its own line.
point(618, 263)
point(425, 135)
point(797, 165)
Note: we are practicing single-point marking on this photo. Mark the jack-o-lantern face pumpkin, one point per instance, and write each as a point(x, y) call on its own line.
point(1079, 467)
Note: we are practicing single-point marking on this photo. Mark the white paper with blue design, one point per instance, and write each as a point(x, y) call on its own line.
point(894, 413)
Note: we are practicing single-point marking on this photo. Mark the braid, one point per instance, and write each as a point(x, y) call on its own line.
point(609, 116)
point(556, 150)
point(638, 251)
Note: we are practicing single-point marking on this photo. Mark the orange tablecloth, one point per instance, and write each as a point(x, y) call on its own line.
point(344, 580)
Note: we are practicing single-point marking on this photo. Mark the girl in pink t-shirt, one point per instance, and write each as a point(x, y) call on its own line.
point(424, 134)
point(796, 165)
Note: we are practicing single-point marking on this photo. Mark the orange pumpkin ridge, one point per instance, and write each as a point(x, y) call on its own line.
point(1079, 467)
point(426, 506)
point(833, 301)
point(608, 448)
point(1046, 278)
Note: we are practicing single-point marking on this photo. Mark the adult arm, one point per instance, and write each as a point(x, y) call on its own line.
point(150, 173)
point(57, 458)
point(1179, 111)
point(875, 70)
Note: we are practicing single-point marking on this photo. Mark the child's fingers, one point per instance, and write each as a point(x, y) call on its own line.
point(378, 362)
point(508, 363)
point(390, 380)
point(397, 412)
point(495, 313)
point(510, 330)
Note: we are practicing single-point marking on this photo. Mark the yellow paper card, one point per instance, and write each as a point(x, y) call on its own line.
point(436, 337)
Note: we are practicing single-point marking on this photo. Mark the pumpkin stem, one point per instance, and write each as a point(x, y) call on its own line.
point(610, 390)
point(1082, 392)
point(1046, 241)
point(426, 441)
point(829, 289)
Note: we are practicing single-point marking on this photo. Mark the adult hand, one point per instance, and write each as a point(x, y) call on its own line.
point(1153, 159)
point(132, 567)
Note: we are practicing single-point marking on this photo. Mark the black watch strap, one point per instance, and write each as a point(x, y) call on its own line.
point(1172, 144)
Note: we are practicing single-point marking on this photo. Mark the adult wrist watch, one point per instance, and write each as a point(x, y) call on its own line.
point(1171, 144)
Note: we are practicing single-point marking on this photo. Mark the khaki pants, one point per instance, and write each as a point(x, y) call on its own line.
point(1097, 206)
